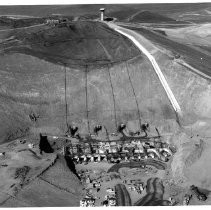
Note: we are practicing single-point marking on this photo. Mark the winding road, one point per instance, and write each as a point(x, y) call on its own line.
point(135, 37)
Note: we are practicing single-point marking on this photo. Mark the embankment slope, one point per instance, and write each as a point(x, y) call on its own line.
point(82, 69)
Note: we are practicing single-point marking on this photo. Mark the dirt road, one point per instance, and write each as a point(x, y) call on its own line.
point(123, 197)
point(154, 197)
point(157, 164)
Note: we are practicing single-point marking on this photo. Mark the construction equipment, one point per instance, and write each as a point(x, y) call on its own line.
point(201, 196)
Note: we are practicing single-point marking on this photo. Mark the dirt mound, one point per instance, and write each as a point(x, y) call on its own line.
point(18, 23)
point(123, 13)
point(196, 154)
point(198, 172)
point(79, 42)
point(107, 94)
point(154, 196)
point(149, 17)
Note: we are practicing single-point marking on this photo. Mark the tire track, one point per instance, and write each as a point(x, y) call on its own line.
point(126, 196)
point(14, 197)
point(134, 37)
point(154, 197)
point(157, 164)
point(105, 50)
point(123, 197)
point(65, 89)
point(150, 186)
point(86, 93)
point(114, 102)
point(136, 100)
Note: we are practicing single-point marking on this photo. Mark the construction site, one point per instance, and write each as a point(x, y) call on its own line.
point(105, 105)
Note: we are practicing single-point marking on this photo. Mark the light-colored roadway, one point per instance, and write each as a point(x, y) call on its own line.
point(135, 37)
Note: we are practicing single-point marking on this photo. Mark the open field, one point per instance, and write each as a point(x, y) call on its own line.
point(60, 176)
point(92, 95)
point(42, 189)
point(51, 195)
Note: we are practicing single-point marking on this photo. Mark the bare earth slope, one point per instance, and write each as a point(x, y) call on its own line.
point(106, 81)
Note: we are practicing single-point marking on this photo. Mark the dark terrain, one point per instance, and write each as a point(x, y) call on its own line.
point(81, 43)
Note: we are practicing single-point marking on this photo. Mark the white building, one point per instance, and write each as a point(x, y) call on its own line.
point(102, 10)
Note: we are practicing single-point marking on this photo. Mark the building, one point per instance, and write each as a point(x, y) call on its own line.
point(102, 10)
point(90, 202)
point(101, 150)
point(113, 150)
point(52, 22)
point(83, 203)
point(112, 202)
point(154, 151)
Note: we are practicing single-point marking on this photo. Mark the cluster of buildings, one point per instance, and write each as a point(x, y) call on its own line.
point(62, 20)
point(135, 185)
point(93, 186)
point(87, 202)
point(117, 151)
point(90, 184)
point(110, 198)
point(56, 22)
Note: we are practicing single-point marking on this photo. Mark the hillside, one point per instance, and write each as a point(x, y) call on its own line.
point(101, 79)
point(195, 58)
point(107, 80)
point(83, 42)
point(120, 11)
point(196, 35)
point(17, 23)
point(149, 17)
